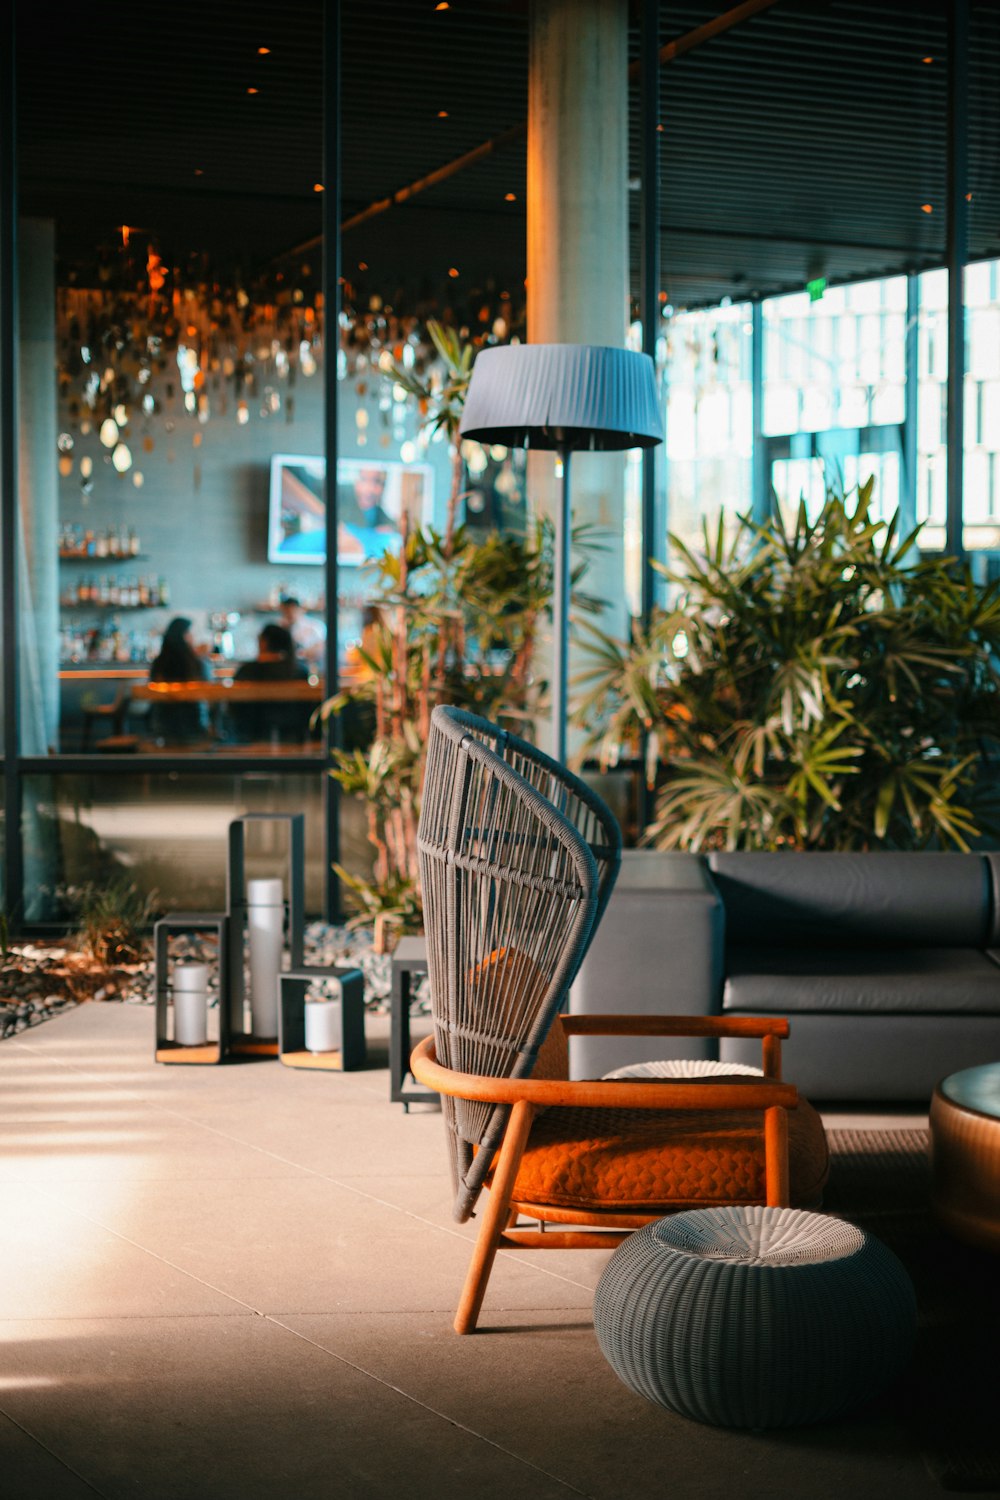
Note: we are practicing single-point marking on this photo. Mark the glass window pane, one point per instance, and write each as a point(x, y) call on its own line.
point(709, 420)
point(165, 832)
point(835, 362)
point(176, 294)
point(982, 407)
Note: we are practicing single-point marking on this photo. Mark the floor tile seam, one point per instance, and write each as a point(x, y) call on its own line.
point(346, 1185)
point(38, 1443)
point(158, 1317)
point(155, 1107)
point(18, 1045)
point(134, 1095)
point(145, 1250)
point(432, 1410)
point(511, 1257)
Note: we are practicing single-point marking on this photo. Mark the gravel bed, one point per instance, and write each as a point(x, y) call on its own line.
point(40, 980)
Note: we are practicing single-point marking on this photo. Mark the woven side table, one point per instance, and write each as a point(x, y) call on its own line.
point(965, 1154)
point(755, 1317)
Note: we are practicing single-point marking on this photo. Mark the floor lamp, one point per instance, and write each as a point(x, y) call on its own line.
point(562, 397)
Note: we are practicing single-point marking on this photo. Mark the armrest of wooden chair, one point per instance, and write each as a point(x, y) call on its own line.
point(770, 1029)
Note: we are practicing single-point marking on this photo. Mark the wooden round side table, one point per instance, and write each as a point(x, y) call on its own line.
point(965, 1154)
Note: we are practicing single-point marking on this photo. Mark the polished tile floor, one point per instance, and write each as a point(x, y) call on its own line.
point(239, 1282)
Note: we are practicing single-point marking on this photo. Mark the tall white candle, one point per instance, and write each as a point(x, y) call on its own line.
point(265, 922)
point(190, 1004)
point(323, 1029)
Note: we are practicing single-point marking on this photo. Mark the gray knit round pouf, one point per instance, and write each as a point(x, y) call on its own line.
point(755, 1317)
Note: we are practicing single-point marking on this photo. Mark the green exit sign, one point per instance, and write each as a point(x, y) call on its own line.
point(816, 288)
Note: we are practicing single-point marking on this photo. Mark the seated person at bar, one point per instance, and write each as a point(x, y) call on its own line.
point(308, 634)
point(178, 661)
point(275, 662)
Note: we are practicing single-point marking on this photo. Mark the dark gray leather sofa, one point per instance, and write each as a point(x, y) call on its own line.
point(887, 965)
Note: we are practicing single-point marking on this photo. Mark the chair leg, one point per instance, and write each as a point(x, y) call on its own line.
point(496, 1215)
point(776, 1157)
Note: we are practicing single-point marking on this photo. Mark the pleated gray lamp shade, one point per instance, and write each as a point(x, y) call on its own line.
point(567, 397)
point(575, 396)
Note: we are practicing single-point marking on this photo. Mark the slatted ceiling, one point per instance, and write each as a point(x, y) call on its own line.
point(818, 121)
point(815, 121)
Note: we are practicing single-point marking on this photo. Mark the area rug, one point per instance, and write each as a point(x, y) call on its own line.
point(880, 1180)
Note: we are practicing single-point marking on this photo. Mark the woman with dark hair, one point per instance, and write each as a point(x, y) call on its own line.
point(276, 662)
point(178, 661)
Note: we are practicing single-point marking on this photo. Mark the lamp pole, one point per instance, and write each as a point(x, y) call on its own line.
point(560, 608)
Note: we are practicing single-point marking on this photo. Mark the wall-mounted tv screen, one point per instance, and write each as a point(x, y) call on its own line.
point(372, 496)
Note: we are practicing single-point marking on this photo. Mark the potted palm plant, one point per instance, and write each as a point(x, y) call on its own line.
point(817, 685)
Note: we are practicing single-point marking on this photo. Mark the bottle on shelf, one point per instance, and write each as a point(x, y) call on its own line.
point(133, 542)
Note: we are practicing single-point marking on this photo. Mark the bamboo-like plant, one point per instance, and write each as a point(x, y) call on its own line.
point(457, 621)
point(816, 686)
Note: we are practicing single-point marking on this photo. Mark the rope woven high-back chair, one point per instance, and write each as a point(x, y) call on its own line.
point(512, 885)
point(511, 892)
point(579, 804)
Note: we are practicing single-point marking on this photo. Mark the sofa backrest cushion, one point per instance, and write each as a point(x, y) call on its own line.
point(875, 900)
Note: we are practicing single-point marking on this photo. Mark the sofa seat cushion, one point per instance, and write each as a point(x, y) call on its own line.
point(910, 981)
point(658, 1161)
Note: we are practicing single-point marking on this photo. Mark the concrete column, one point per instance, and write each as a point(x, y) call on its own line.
point(38, 490)
point(578, 271)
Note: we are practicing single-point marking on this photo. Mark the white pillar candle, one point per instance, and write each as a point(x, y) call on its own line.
point(323, 1029)
point(265, 921)
point(191, 1004)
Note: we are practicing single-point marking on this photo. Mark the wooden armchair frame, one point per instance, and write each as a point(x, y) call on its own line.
point(526, 1096)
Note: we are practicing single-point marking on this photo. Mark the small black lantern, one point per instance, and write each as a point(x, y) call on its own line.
point(257, 907)
point(182, 988)
point(328, 1031)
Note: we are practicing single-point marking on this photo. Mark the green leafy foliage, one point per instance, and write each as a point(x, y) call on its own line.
point(816, 686)
point(113, 920)
point(458, 626)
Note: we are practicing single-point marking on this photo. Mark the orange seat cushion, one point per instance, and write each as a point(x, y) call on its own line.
point(639, 1160)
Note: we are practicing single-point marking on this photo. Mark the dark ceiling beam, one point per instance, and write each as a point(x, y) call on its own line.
point(441, 174)
point(707, 33)
point(667, 54)
point(780, 238)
